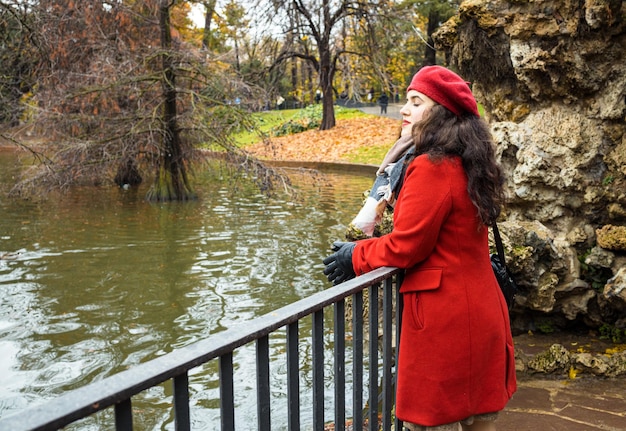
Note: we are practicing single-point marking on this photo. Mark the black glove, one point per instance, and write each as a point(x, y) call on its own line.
point(339, 264)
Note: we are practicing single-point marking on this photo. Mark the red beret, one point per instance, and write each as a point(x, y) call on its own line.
point(446, 88)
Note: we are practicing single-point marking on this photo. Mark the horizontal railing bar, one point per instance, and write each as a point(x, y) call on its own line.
point(71, 406)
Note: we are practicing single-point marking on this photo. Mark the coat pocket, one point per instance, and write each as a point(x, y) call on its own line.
point(413, 310)
point(415, 282)
point(422, 279)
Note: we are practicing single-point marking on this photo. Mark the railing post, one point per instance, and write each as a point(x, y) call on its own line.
point(399, 308)
point(373, 357)
point(387, 404)
point(124, 416)
point(317, 339)
point(340, 363)
point(357, 361)
point(181, 402)
point(227, 394)
point(293, 378)
point(263, 383)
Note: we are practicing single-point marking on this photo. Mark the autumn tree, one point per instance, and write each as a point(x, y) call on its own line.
point(121, 96)
point(354, 46)
point(436, 13)
point(209, 14)
point(382, 63)
point(171, 181)
point(18, 54)
point(234, 15)
point(392, 45)
point(318, 21)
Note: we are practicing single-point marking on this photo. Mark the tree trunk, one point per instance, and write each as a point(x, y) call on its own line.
point(326, 73)
point(208, 19)
point(430, 55)
point(171, 181)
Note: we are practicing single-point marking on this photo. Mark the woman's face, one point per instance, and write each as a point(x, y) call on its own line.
point(417, 104)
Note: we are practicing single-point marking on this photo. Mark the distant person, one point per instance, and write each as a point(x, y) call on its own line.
point(383, 101)
point(456, 365)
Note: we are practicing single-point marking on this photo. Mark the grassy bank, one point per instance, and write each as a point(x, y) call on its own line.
point(357, 138)
point(290, 121)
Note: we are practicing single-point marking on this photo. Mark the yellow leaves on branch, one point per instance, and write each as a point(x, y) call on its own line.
point(334, 145)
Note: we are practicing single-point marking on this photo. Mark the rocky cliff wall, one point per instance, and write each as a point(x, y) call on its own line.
point(551, 75)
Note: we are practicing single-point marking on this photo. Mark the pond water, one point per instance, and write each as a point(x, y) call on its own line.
point(97, 280)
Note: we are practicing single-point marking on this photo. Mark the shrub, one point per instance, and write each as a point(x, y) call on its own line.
point(306, 119)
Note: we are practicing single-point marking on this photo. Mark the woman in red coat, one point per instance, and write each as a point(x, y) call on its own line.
point(456, 367)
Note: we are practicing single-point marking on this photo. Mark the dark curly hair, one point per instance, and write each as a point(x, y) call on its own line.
point(442, 134)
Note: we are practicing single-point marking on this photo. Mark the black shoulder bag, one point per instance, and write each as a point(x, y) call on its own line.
point(507, 285)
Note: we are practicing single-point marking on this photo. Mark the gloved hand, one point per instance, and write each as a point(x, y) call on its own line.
point(339, 264)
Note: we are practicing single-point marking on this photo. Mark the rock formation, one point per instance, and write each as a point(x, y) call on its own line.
point(551, 75)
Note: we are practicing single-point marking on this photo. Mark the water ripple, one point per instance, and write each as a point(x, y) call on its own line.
point(96, 283)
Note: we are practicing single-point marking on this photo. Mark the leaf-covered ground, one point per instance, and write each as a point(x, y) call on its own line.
point(362, 140)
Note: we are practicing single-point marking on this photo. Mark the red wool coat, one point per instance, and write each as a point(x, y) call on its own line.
point(456, 350)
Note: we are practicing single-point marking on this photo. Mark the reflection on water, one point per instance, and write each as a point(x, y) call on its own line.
point(97, 280)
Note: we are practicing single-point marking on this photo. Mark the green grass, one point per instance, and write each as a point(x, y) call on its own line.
point(267, 121)
point(369, 155)
point(264, 122)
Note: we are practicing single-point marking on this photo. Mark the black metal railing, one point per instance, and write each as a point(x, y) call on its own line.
point(375, 337)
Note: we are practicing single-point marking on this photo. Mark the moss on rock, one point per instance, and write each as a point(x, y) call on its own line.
point(612, 237)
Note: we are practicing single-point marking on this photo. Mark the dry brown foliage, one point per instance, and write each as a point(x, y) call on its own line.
point(334, 145)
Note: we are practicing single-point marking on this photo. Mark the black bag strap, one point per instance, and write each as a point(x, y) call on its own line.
point(498, 241)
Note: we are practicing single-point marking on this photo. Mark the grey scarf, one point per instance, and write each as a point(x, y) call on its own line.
point(398, 149)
